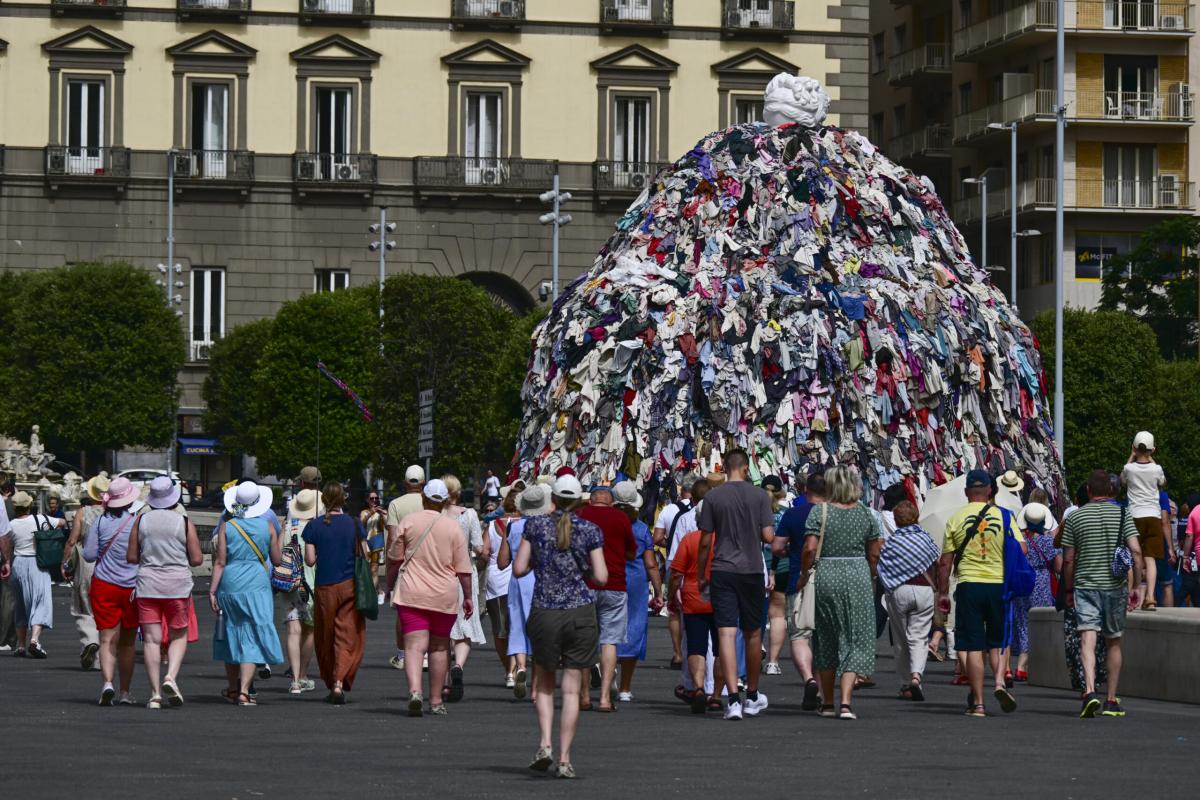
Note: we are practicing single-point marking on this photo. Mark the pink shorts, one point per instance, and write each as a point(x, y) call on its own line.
point(422, 619)
point(173, 612)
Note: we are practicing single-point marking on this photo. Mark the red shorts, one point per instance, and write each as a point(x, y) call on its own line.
point(172, 612)
point(112, 606)
point(437, 623)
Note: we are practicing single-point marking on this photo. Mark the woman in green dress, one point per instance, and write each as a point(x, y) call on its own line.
point(844, 636)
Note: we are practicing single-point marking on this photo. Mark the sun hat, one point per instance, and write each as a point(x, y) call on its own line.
point(567, 487)
point(518, 486)
point(304, 504)
point(97, 486)
point(121, 493)
point(978, 479)
point(545, 480)
point(22, 499)
point(534, 501)
point(248, 500)
point(1033, 517)
point(1011, 481)
point(1144, 439)
point(310, 475)
point(626, 493)
point(164, 493)
point(414, 474)
point(716, 478)
point(437, 491)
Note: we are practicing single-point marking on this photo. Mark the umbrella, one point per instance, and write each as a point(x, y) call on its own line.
point(941, 504)
point(1006, 499)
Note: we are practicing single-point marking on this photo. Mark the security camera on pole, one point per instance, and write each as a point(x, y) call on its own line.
point(556, 199)
point(381, 246)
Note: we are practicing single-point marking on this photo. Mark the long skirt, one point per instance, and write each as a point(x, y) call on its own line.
point(339, 634)
point(844, 639)
point(31, 594)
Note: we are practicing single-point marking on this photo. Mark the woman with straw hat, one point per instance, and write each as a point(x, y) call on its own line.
point(113, 582)
point(33, 609)
point(165, 547)
point(80, 571)
point(296, 606)
point(247, 547)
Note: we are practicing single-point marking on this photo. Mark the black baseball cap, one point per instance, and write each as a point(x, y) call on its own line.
point(772, 483)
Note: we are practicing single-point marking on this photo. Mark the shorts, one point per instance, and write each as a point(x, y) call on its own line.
point(292, 607)
point(1150, 536)
point(1166, 572)
point(156, 610)
point(737, 600)
point(113, 606)
point(414, 620)
point(979, 617)
point(612, 612)
point(1101, 610)
point(789, 612)
point(566, 638)
point(497, 611)
point(700, 630)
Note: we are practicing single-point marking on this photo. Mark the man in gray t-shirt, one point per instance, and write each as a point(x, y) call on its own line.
point(740, 516)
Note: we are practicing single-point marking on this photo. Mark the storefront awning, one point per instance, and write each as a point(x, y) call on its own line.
point(193, 446)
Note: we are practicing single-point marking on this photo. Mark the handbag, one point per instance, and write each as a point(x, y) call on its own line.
point(1122, 558)
point(48, 542)
point(804, 615)
point(366, 599)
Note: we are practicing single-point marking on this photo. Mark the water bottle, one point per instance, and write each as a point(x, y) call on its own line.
point(219, 635)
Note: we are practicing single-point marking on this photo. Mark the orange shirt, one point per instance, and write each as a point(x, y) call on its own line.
point(431, 578)
point(686, 561)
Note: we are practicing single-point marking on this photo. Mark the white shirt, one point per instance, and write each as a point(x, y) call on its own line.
point(667, 516)
point(22, 530)
point(497, 579)
point(491, 487)
point(4, 524)
point(1143, 481)
point(687, 524)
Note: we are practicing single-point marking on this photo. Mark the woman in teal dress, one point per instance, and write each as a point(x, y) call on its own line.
point(844, 635)
point(247, 547)
point(639, 574)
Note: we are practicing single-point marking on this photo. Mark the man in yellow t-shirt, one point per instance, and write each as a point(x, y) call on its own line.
point(980, 611)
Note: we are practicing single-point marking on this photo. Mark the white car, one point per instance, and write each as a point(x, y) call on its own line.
point(141, 479)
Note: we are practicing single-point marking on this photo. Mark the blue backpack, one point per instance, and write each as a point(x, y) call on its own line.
point(1019, 575)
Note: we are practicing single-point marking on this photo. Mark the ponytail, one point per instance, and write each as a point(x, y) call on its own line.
point(334, 497)
point(563, 526)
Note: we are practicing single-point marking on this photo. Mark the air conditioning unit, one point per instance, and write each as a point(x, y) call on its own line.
point(312, 5)
point(306, 168)
point(508, 8)
point(1168, 192)
point(201, 351)
point(184, 165)
point(1171, 22)
point(56, 162)
point(490, 176)
point(637, 180)
point(345, 172)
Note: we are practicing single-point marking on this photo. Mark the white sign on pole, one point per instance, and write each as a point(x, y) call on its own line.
point(425, 449)
point(425, 398)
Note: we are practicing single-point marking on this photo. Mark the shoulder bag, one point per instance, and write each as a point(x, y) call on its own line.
point(804, 613)
point(261, 558)
point(48, 543)
point(979, 522)
point(1122, 557)
point(288, 574)
point(366, 599)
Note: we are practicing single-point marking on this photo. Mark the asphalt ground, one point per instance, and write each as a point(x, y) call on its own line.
point(56, 742)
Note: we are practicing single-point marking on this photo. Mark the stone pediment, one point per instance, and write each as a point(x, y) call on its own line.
point(335, 49)
point(635, 58)
point(212, 44)
point(88, 41)
point(755, 61)
point(487, 53)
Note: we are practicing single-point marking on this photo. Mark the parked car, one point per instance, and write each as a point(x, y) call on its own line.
point(142, 477)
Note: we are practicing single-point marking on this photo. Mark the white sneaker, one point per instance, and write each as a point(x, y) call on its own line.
point(509, 681)
point(754, 707)
point(733, 710)
point(396, 662)
point(772, 668)
point(625, 697)
point(127, 699)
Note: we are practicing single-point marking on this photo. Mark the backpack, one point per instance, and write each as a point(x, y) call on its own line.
point(48, 544)
point(288, 574)
point(1019, 575)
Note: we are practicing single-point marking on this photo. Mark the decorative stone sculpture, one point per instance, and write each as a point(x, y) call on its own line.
point(71, 489)
point(791, 98)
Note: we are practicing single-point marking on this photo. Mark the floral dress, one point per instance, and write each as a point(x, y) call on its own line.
point(1041, 555)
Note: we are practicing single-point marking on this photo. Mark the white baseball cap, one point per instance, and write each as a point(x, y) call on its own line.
point(414, 474)
point(1144, 439)
point(436, 491)
point(568, 487)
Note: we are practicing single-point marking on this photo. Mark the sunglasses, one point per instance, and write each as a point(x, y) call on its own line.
point(373, 497)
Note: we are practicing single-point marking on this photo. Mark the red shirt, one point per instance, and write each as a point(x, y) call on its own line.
point(687, 564)
point(618, 540)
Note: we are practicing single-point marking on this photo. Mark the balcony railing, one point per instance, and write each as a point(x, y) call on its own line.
point(1038, 103)
point(200, 350)
point(235, 166)
point(484, 174)
point(625, 176)
point(774, 16)
point(113, 7)
point(87, 162)
point(1165, 193)
point(929, 58)
point(932, 141)
point(337, 8)
point(636, 14)
point(1159, 16)
point(490, 13)
point(188, 8)
point(350, 169)
point(1012, 23)
point(1140, 106)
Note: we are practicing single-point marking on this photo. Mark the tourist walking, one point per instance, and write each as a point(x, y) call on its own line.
point(430, 568)
point(534, 501)
point(906, 564)
point(641, 575)
point(80, 571)
point(1099, 597)
point(373, 517)
point(33, 608)
point(740, 516)
point(240, 594)
point(408, 503)
point(498, 578)
point(165, 547)
point(1036, 523)
point(700, 627)
point(8, 631)
point(332, 541)
point(777, 580)
point(467, 630)
point(297, 607)
point(789, 546)
point(1143, 478)
point(558, 548)
point(612, 604)
point(843, 542)
point(1189, 554)
point(665, 527)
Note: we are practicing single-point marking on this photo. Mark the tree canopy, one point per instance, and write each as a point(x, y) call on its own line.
point(229, 395)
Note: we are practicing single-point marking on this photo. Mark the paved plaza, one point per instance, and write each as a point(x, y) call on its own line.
point(57, 743)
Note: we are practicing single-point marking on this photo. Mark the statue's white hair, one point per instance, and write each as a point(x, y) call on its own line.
point(792, 98)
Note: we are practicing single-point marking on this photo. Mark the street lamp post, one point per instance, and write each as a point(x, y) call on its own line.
point(981, 182)
point(381, 246)
point(556, 199)
point(171, 280)
point(1060, 122)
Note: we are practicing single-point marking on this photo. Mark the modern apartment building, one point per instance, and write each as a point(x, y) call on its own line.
point(950, 77)
point(285, 124)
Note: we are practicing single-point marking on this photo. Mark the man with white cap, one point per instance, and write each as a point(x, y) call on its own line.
point(81, 571)
point(1143, 478)
point(398, 509)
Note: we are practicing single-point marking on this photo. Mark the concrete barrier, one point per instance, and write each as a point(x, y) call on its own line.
point(1161, 653)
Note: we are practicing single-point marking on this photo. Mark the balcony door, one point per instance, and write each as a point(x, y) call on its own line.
point(638, 10)
point(85, 126)
point(1130, 86)
point(1131, 13)
point(631, 138)
point(483, 138)
point(333, 133)
point(208, 310)
point(754, 13)
point(1129, 175)
point(210, 128)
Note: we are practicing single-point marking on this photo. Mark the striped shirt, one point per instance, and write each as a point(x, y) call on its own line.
point(907, 553)
point(1092, 531)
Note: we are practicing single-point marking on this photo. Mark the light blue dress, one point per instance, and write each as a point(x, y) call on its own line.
point(244, 596)
point(520, 597)
point(637, 595)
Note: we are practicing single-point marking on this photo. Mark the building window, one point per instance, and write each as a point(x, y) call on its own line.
point(964, 97)
point(633, 10)
point(332, 134)
point(901, 38)
point(208, 310)
point(747, 111)
point(1129, 175)
point(209, 129)
point(875, 132)
point(900, 120)
point(484, 132)
point(85, 125)
point(964, 13)
point(631, 132)
point(331, 280)
point(877, 54)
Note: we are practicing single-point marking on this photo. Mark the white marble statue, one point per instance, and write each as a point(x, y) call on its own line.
point(36, 449)
point(71, 489)
point(793, 98)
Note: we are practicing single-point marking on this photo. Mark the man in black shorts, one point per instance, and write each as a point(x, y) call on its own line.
point(740, 515)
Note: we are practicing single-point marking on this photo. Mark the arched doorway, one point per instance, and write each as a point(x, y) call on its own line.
point(504, 291)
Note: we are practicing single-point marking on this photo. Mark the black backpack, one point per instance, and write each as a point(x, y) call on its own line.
point(48, 543)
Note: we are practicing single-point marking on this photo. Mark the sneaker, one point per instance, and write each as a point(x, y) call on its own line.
point(5, 648)
point(1091, 704)
point(1008, 703)
point(733, 710)
point(625, 697)
point(87, 658)
point(396, 662)
point(172, 693)
point(416, 704)
point(542, 760)
point(154, 704)
point(812, 696)
point(1112, 708)
point(520, 685)
point(308, 685)
point(264, 672)
point(36, 650)
point(756, 706)
point(439, 710)
point(456, 684)
point(380, 599)
point(295, 688)
point(772, 668)
point(107, 695)
point(565, 770)
point(127, 699)
point(509, 681)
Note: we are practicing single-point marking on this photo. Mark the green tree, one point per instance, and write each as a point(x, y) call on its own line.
point(229, 394)
point(512, 366)
point(1159, 282)
point(1110, 371)
point(340, 329)
point(90, 352)
point(1179, 431)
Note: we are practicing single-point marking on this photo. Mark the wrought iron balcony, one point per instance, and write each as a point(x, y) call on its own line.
point(634, 15)
point(87, 163)
point(221, 9)
point(751, 17)
point(487, 13)
point(625, 176)
point(484, 175)
point(335, 169)
point(337, 10)
point(106, 8)
point(213, 166)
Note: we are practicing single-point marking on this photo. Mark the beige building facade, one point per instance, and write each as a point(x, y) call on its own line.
point(950, 77)
point(285, 125)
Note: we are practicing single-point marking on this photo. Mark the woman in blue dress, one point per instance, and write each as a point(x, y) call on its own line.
point(247, 547)
point(533, 502)
point(639, 573)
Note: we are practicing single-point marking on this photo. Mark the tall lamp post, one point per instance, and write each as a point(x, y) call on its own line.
point(555, 199)
point(981, 182)
point(381, 246)
point(1060, 122)
point(171, 280)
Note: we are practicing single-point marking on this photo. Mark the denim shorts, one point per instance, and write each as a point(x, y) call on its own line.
point(612, 612)
point(1101, 610)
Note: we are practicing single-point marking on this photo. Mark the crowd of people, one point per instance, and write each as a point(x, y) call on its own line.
point(569, 577)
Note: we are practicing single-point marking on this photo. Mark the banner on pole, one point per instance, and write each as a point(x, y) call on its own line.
point(346, 390)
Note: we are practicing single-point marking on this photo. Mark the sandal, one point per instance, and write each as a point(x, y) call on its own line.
point(230, 695)
point(827, 711)
point(976, 710)
point(154, 703)
point(864, 683)
point(609, 709)
point(906, 693)
point(244, 699)
point(845, 712)
point(916, 693)
point(713, 704)
point(337, 697)
point(586, 707)
point(936, 654)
